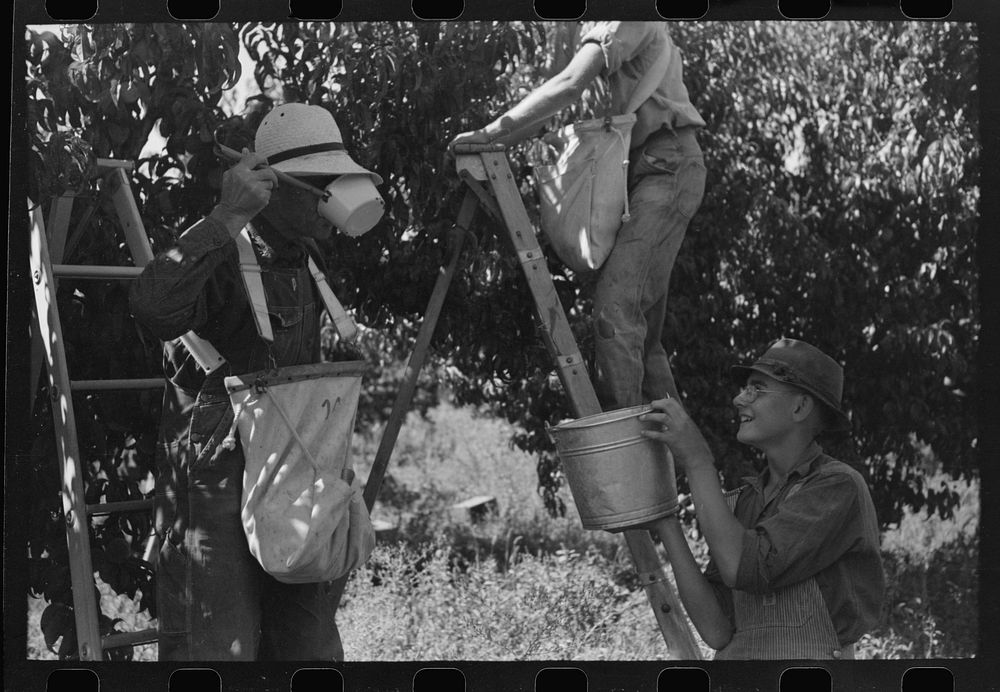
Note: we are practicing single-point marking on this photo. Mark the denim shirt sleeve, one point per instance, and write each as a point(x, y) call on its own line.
point(813, 526)
point(171, 295)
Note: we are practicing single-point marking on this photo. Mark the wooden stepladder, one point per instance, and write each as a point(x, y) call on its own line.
point(479, 164)
point(47, 251)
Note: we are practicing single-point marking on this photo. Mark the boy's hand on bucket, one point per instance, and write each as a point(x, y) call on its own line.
point(678, 432)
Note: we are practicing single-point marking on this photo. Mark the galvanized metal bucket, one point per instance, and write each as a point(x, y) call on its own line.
point(619, 479)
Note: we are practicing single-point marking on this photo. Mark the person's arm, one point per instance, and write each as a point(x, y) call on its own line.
point(169, 297)
point(722, 531)
point(696, 592)
point(559, 92)
point(812, 528)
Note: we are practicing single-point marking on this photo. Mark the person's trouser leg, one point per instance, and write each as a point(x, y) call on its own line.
point(297, 623)
point(208, 583)
point(208, 596)
point(631, 292)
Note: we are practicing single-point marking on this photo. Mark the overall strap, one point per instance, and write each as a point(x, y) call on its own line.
point(732, 496)
point(342, 321)
point(250, 271)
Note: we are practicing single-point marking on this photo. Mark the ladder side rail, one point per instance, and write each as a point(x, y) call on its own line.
point(56, 227)
point(36, 361)
point(128, 215)
point(562, 346)
point(74, 507)
point(667, 607)
point(556, 330)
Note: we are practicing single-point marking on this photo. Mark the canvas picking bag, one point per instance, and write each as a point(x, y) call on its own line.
point(583, 197)
point(302, 509)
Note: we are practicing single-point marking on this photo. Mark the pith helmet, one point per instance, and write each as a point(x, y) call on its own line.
point(299, 139)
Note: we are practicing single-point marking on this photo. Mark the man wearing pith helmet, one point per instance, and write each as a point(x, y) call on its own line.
point(214, 600)
point(795, 570)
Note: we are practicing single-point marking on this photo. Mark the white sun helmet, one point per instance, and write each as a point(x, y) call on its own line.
point(299, 139)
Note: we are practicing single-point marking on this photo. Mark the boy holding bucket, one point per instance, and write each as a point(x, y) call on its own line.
point(795, 570)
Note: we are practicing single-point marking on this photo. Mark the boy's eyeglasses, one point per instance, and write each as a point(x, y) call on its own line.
point(751, 391)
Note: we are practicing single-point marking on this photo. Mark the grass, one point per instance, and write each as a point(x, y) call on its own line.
point(518, 584)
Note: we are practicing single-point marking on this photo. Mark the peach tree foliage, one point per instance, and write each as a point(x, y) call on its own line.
point(840, 208)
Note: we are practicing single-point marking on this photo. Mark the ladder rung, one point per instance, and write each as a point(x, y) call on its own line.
point(117, 639)
point(107, 385)
point(84, 271)
point(106, 165)
point(125, 506)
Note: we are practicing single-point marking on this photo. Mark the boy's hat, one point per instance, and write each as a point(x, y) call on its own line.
point(299, 139)
point(806, 367)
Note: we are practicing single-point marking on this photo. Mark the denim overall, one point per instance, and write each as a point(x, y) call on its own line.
point(214, 601)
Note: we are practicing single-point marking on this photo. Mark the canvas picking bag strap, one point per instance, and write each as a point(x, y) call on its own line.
point(303, 512)
point(583, 197)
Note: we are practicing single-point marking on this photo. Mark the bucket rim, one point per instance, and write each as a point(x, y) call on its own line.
point(603, 418)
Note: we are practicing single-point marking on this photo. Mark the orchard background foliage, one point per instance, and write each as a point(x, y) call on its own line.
point(841, 207)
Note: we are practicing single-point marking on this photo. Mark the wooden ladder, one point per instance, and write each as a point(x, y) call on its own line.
point(478, 164)
point(48, 249)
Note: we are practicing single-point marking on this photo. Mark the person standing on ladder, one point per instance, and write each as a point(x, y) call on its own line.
point(214, 600)
point(666, 181)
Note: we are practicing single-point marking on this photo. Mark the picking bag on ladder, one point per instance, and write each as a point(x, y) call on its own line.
point(302, 510)
point(583, 197)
